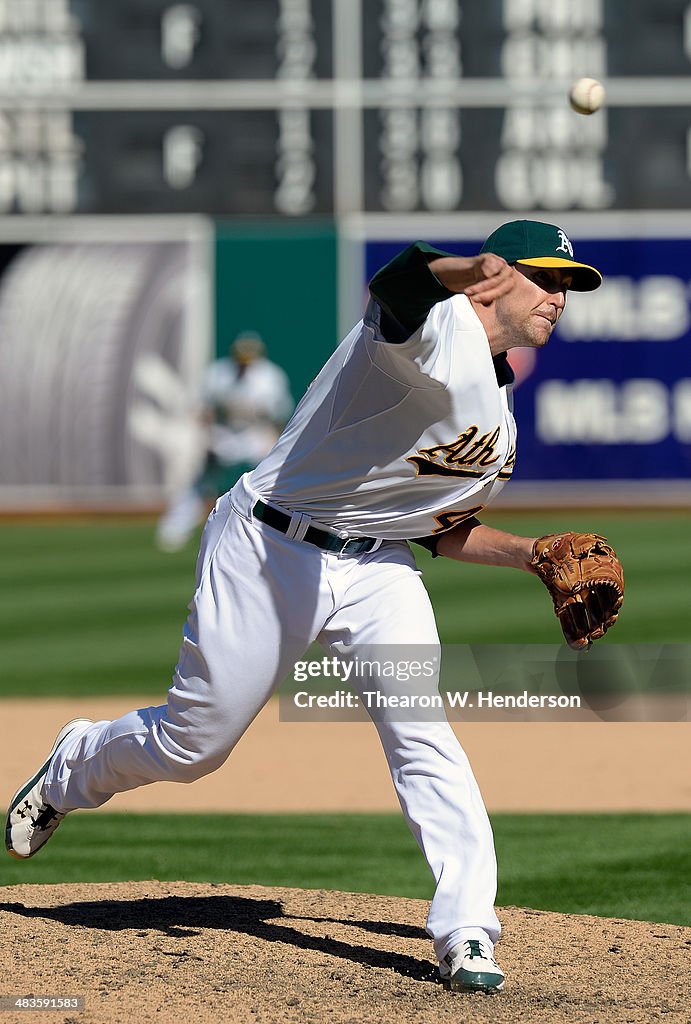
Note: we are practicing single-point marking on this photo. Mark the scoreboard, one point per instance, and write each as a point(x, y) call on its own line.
point(329, 107)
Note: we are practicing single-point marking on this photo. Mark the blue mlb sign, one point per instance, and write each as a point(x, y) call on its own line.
point(609, 397)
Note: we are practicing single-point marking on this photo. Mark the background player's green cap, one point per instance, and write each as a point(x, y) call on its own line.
point(541, 245)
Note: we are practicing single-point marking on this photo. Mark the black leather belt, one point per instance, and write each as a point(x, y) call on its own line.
point(321, 538)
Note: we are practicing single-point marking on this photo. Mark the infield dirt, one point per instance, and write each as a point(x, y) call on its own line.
point(168, 952)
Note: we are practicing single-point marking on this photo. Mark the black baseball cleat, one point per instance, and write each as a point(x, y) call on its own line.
point(30, 820)
point(470, 967)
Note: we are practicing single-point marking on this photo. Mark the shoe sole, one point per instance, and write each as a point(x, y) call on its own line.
point(479, 984)
point(463, 986)
point(23, 790)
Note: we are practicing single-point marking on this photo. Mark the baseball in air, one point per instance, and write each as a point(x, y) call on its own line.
point(587, 95)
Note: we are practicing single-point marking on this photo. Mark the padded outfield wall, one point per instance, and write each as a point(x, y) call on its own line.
point(106, 325)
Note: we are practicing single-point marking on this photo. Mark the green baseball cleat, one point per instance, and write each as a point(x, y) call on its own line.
point(30, 820)
point(470, 967)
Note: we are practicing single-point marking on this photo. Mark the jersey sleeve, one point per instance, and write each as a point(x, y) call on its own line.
point(406, 289)
point(424, 358)
point(427, 542)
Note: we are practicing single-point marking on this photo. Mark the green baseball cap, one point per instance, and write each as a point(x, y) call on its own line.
point(541, 245)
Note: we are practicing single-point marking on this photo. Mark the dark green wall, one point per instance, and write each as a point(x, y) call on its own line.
point(280, 280)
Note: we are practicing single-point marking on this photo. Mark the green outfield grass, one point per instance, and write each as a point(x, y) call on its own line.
point(92, 607)
point(625, 866)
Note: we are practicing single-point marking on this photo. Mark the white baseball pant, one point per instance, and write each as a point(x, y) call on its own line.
point(261, 599)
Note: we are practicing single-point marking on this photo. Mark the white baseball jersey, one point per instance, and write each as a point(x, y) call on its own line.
point(397, 440)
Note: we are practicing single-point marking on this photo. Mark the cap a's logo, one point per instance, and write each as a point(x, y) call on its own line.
point(565, 243)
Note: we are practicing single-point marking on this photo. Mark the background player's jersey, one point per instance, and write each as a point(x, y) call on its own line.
point(243, 395)
point(249, 404)
point(397, 440)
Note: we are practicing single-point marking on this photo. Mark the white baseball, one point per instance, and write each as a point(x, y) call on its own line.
point(587, 95)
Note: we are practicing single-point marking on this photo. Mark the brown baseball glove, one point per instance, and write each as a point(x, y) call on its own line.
point(586, 581)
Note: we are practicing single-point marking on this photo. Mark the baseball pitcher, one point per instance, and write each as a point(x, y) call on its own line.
point(406, 434)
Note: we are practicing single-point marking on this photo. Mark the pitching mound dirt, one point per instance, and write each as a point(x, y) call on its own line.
point(170, 952)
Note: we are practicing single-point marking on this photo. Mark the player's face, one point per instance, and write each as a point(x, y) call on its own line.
point(529, 312)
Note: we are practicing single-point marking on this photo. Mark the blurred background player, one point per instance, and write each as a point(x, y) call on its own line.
point(245, 403)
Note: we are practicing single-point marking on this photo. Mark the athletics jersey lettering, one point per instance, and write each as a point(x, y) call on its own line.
point(454, 516)
point(508, 467)
point(459, 457)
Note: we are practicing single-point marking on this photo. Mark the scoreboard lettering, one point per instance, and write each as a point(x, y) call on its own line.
point(230, 107)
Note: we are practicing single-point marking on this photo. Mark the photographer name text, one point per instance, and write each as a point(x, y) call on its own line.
point(375, 699)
